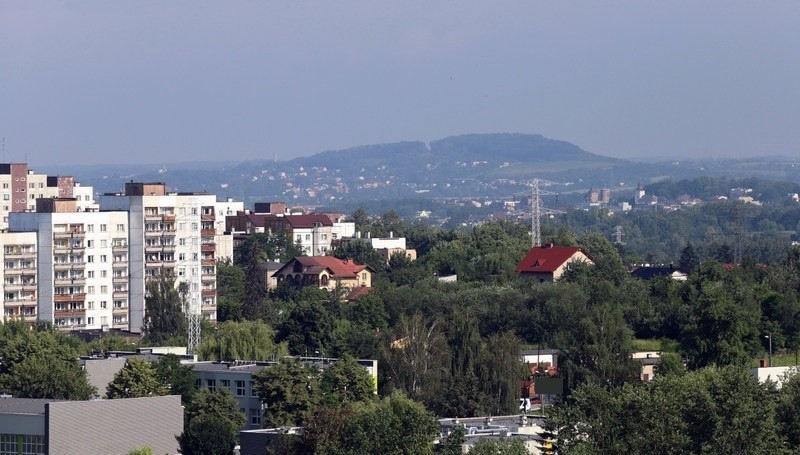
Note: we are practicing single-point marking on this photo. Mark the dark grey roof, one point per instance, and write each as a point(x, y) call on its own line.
point(23, 405)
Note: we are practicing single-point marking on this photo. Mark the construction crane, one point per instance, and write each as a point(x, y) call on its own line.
point(537, 210)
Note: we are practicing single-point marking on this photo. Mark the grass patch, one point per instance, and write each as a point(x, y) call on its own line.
point(646, 345)
point(778, 359)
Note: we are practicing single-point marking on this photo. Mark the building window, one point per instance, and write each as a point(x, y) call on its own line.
point(90, 321)
point(103, 258)
point(90, 290)
point(103, 304)
point(240, 388)
point(253, 392)
point(226, 384)
point(90, 258)
point(120, 228)
point(90, 228)
point(255, 416)
point(103, 228)
point(104, 290)
point(211, 384)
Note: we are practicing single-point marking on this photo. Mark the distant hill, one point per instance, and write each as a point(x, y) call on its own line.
point(472, 165)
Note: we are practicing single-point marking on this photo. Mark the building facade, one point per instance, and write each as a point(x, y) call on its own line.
point(82, 273)
point(173, 234)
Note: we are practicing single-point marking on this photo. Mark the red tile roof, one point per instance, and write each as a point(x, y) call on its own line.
point(307, 221)
point(359, 292)
point(339, 268)
point(546, 259)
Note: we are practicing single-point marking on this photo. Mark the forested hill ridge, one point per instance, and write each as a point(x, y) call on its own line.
point(485, 165)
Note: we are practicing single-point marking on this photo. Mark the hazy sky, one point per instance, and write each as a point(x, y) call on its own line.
point(158, 81)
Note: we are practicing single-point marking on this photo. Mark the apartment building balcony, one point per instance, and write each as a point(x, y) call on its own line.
point(120, 325)
point(29, 318)
point(119, 279)
point(70, 297)
point(67, 249)
point(208, 232)
point(120, 294)
point(77, 313)
point(71, 234)
point(208, 308)
point(69, 266)
point(208, 262)
point(70, 281)
point(208, 247)
point(119, 247)
point(168, 218)
point(207, 217)
point(120, 311)
point(209, 292)
point(17, 254)
point(205, 278)
point(19, 286)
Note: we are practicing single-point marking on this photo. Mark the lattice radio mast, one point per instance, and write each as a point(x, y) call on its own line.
point(537, 210)
point(191, 263)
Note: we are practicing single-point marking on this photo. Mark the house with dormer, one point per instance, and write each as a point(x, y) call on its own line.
point(326, 272)
point(548, 262)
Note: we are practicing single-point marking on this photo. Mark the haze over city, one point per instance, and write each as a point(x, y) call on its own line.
point(125, 82)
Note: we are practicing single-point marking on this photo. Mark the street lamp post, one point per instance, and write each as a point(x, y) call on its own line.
point(769, 337)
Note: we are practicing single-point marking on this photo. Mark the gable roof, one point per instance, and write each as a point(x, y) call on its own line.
point(547, 258)
point(308, 221)
point(358, 292)
point(339, 268)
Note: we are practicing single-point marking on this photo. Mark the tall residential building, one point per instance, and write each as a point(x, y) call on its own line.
point(81, 264)
point(171, 233)
point(21, 187)
point(18, 278)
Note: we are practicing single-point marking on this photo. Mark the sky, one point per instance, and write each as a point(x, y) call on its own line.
point(162, 82)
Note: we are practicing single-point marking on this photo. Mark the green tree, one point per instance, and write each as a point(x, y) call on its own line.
point(136, 379)
point(507, 446)
point(213, 423)
point(175, 378)
point(345, 382)
point(393, 425)
point(44, 376)
point(163, 309)
point(208, 435)
point(289, 392)
point(307, 329)
point(689, 259)
point(41, 363)
point(722, 331)
point(247, 340)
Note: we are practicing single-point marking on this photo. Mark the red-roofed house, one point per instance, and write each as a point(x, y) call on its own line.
point(547, 263)
point(314, 232)
point(325, 272)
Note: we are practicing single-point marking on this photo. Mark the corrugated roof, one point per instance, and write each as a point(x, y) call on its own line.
point(23, 405)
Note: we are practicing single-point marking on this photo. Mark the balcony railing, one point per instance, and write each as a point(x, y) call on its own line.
point(69, 313)
point(69, 297)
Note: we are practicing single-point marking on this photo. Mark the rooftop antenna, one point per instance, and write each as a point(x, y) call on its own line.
point(537, 210)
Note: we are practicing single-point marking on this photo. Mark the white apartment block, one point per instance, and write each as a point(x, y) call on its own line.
point(172, 233)
point(20, 187)
point(81, 264)
point(18, 278)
